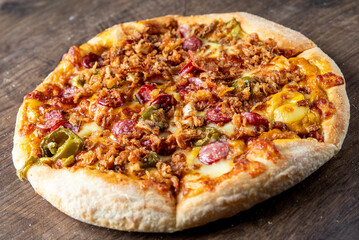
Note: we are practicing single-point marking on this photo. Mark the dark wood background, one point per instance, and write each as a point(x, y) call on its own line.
point(35, 34)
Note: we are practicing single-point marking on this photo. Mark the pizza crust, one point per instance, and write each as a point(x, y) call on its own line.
point(119, 202)
point(335, 128)
point(300, 158)
point(286, 38)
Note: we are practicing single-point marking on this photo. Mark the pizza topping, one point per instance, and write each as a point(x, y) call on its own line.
point(61, 143)
point(192, 43)
point(90, 59)
point(53, 117)
point(191, 84)
point(207, 134)
point(213, 152)
point(165, 101)
point(78, 81)
point(143, 95)
point(21, 173)
point(123, 127)
point(329, 80)
point(156, 117)
point(255, 119)
point(151, 160)
point(111, 98)
point(216, 115)
point(65, 124)
point(67, 95)
point(186, 69)
point(235, 29)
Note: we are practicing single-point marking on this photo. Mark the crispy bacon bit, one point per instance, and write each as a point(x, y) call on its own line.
point(37, 95)
point(216, 115)
point(192, 43)
point(213, 152)
point(316, 135)
point(166, 101)
point(326, 108)
point(192, 83)
point(143, 94)
point(287, 52)
point(329, 80)
point(90, 59)
point(303, 103)
point(255, 119)
point(112, 99)
point(123, 127)
point(167, 146)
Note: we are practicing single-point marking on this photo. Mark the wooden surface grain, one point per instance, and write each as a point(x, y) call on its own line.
point(35, 34)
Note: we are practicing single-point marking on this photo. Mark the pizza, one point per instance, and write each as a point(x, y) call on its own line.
point(170, 123)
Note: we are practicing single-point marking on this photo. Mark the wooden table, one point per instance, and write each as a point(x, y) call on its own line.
point(35, 34)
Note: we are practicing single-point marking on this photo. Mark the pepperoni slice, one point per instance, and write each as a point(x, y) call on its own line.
point(123, 127)
point(255, 119)
point(112, 100)
point(192, 43)
point(215, 115)
point(67, 95)
point(166, 101)
point(65, 124)
point(183, 31)
point(143, 94)
point(53, 117)
point(90, 59)
point(213, 152)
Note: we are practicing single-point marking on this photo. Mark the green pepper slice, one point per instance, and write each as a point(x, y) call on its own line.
point(150, 161)
point(210, 134)
point(61, 143)
point(237, 31)
point(156, 114)
point(78, 81)
point(21, 173)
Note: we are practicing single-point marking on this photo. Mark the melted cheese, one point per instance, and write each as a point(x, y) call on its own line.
point(89, 128)
point(214, 50)
point(217, 169)
point(290, 113)
point(33, 107)
point(280, 104)
point(227, 129)
point(191, 157)
point(214, 170)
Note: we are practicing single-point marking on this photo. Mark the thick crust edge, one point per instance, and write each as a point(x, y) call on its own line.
point(335, 128)
point(300, 158)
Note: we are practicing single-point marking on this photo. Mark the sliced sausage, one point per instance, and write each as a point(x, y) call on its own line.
point(213, 152)
point(123, 127)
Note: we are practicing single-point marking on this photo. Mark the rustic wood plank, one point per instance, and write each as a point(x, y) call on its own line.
point(35, 34)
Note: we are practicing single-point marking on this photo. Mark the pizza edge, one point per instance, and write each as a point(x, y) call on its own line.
point(174, 217)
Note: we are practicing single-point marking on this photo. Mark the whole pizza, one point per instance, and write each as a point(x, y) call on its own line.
point(173, 122)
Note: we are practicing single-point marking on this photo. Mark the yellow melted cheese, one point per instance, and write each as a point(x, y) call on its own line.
point(88, 128)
